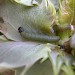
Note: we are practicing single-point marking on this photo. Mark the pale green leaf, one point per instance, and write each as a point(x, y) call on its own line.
point(18, 54)
point(68, 70)
point(56, 3)
point(68, 65)
point(10, 32)
point(72, 42)
point(72, 6)
point(38, 68)
point(60, 64)
point(61, 61)
point(27, 2)
point(65, 13)
point(56, 61)
point(3, 38)
point(19, 15)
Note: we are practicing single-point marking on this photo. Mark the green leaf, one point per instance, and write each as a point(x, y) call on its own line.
point(60, 64)
point(56, 61)
point(72, 6)
point(65, 13)
point(18, 54)
point(63, 32)
point(37, 19)
point(56, 3)
point(38, 68)
point(3, 38)
point(10, 32)
point(68, 70)
point(72, 42)
point(61, 61)
point(68, 65)
point(27, 2)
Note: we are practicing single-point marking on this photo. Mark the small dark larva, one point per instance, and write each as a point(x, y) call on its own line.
point(38, 37)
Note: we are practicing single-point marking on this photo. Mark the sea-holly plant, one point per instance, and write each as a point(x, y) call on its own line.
point(37, 37)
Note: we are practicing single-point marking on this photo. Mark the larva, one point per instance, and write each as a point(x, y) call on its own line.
point(38, 37)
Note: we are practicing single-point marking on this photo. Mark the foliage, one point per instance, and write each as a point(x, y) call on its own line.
point(43, 17)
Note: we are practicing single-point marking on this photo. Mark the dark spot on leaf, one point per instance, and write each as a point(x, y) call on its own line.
point(20, 29)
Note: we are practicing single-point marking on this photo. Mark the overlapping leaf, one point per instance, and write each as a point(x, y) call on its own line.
point(17, 54)
point(28, 17)
point(60, 63)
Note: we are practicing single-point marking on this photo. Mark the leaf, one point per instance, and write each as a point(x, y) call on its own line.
point(68, 65)
point(27, 2)
point(72, 44)
point(15, 55)
point(68, 70)
point(63, 32)
point(65, 13)
point(72, 6)
point(28, 17)
point(56, 61)
point(38, 68)
point(60, 63)
point(10, 32)
point(3, 38)
point(18, 54)
point(56, 3)
point(61, 60)
point(3, 28)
